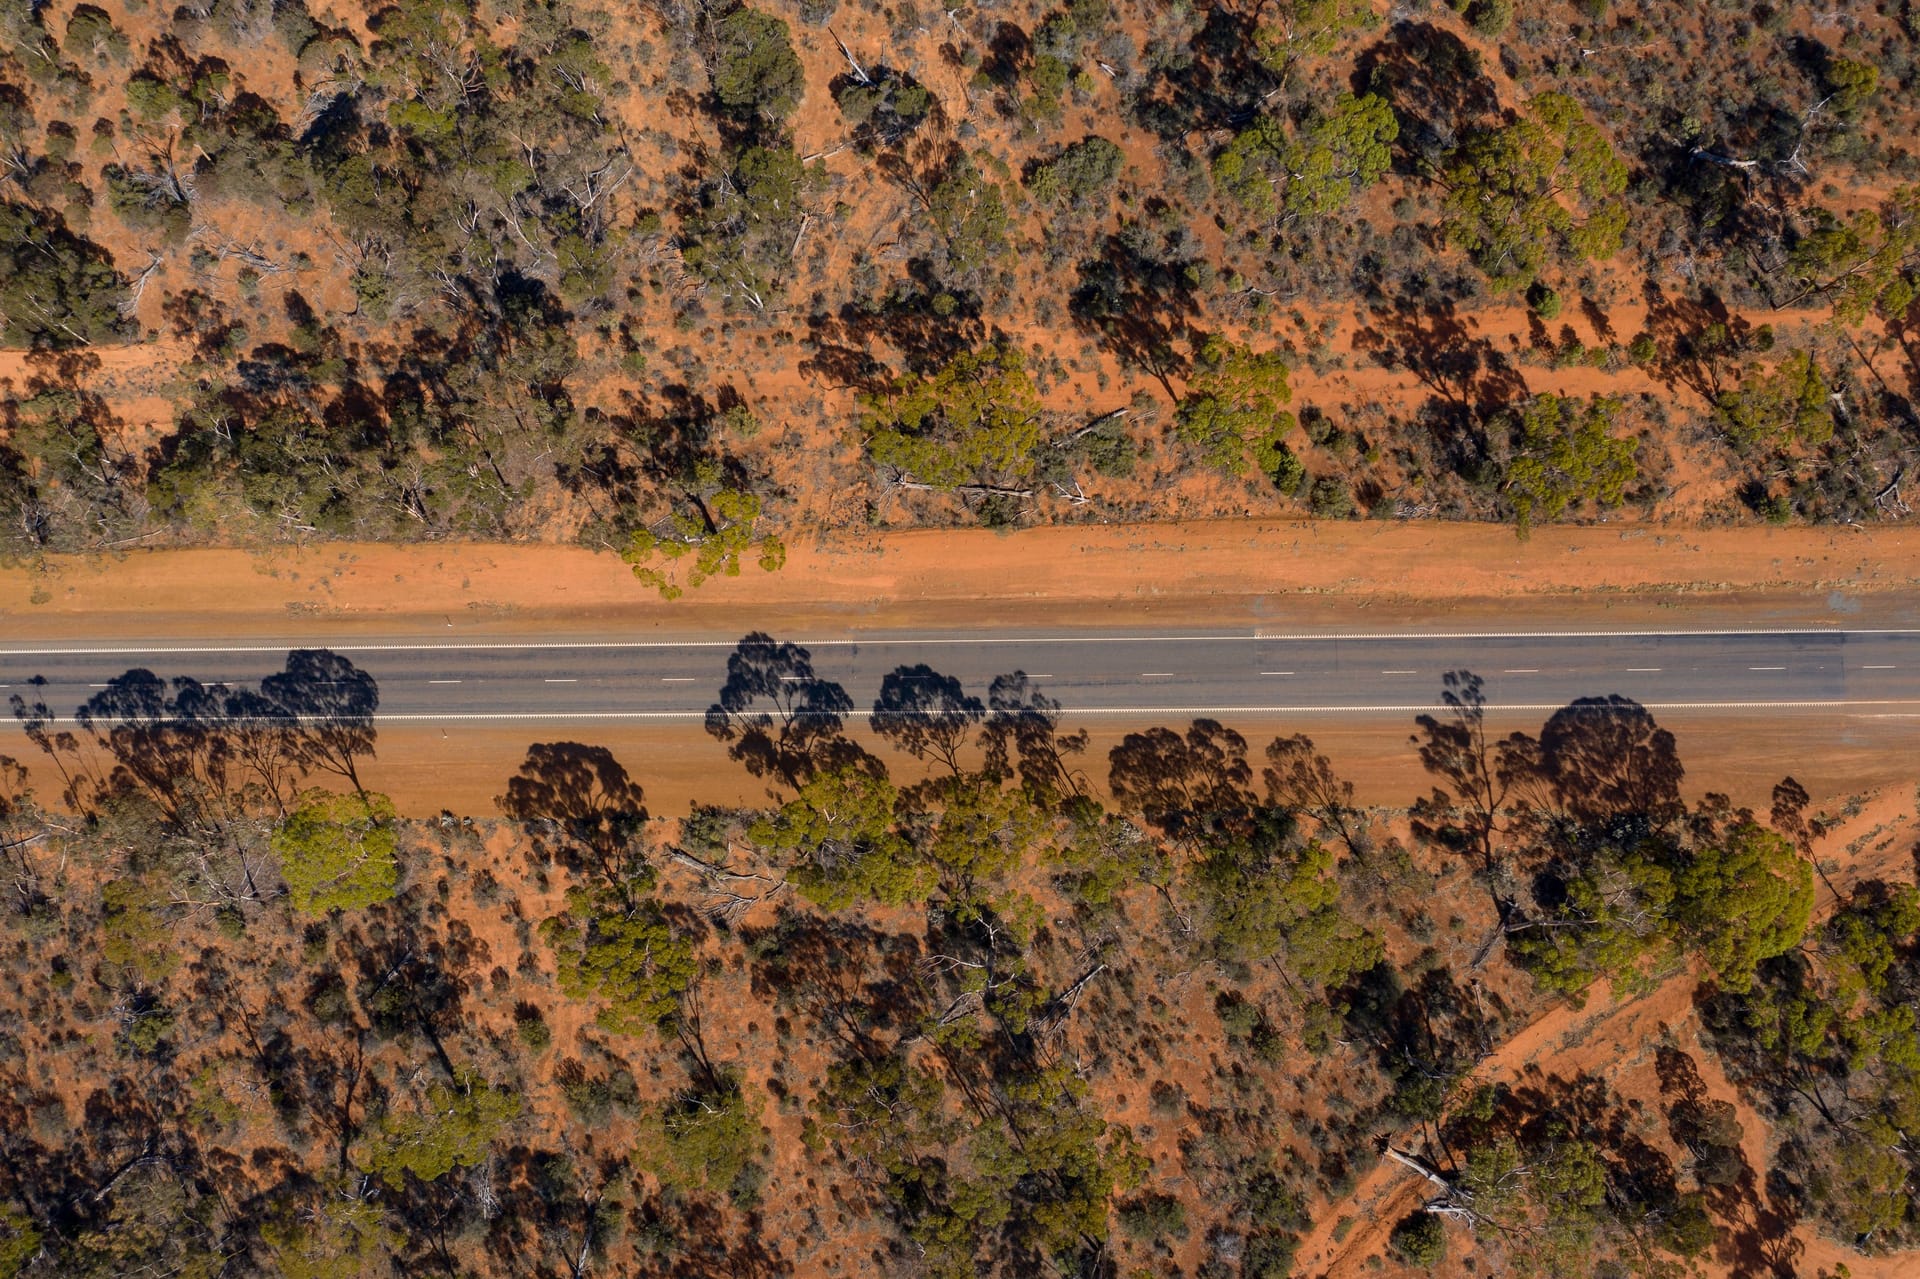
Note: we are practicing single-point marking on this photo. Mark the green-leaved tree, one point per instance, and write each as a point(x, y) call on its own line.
point(1743, 898)
point(1778, 406)
point(1547, 182)
point(705, 1139)
point(755, 70)
point(1565, 453)
point(1234, 401)
point(974, 422)
point(838, 841)
point(705, 538)
point(338, 852)
point(1314, 171)
point(454, 1128)
point(619, 950)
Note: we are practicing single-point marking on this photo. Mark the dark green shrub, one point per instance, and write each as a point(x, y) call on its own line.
point(1081, 173)
point(1419, 1239)
point(1152, 1217)
point(1330, 499)
point(56, 289)
point(755, 70)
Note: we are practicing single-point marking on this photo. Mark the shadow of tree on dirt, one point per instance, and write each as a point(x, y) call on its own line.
point(586, 794)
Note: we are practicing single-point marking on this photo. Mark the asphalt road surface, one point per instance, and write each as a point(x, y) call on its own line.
point(1109, 674)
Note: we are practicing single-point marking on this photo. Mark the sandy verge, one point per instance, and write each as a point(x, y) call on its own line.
point(1258, 572)
point(428, 770)
point(1741, 757)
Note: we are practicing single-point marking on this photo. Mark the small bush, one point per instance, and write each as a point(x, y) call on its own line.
point(532, 1027)
point(1153, 1217)
point(1330, 499)
point(1490, 17)
point(1420, 1239)
point(1081, 173)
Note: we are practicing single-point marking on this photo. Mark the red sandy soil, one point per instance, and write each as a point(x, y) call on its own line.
point(1197, 573)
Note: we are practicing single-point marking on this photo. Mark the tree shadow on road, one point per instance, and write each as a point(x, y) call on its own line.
point(928, 715)
point(780, 719)
point(201, 752)
point(1183, 784)
point(1023, 730)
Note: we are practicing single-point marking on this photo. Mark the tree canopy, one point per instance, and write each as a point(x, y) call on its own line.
point(1235, 402)
point(1565, 454)
point(339, 852)
point(976, 420)
point(1548, 181)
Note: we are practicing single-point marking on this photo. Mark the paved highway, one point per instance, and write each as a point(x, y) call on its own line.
point(1870, 672)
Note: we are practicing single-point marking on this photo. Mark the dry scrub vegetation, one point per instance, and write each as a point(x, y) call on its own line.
point(686, 279)
point(1186, 1010)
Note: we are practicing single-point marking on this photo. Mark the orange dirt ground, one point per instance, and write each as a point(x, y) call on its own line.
point(1272, 572)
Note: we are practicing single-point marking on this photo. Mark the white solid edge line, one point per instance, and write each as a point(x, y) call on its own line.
point(908, 640)
point(1068, 711)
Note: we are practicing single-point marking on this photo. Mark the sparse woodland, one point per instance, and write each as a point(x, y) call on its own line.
point(689, 281)
point(686, 280)
point(975, 1004)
